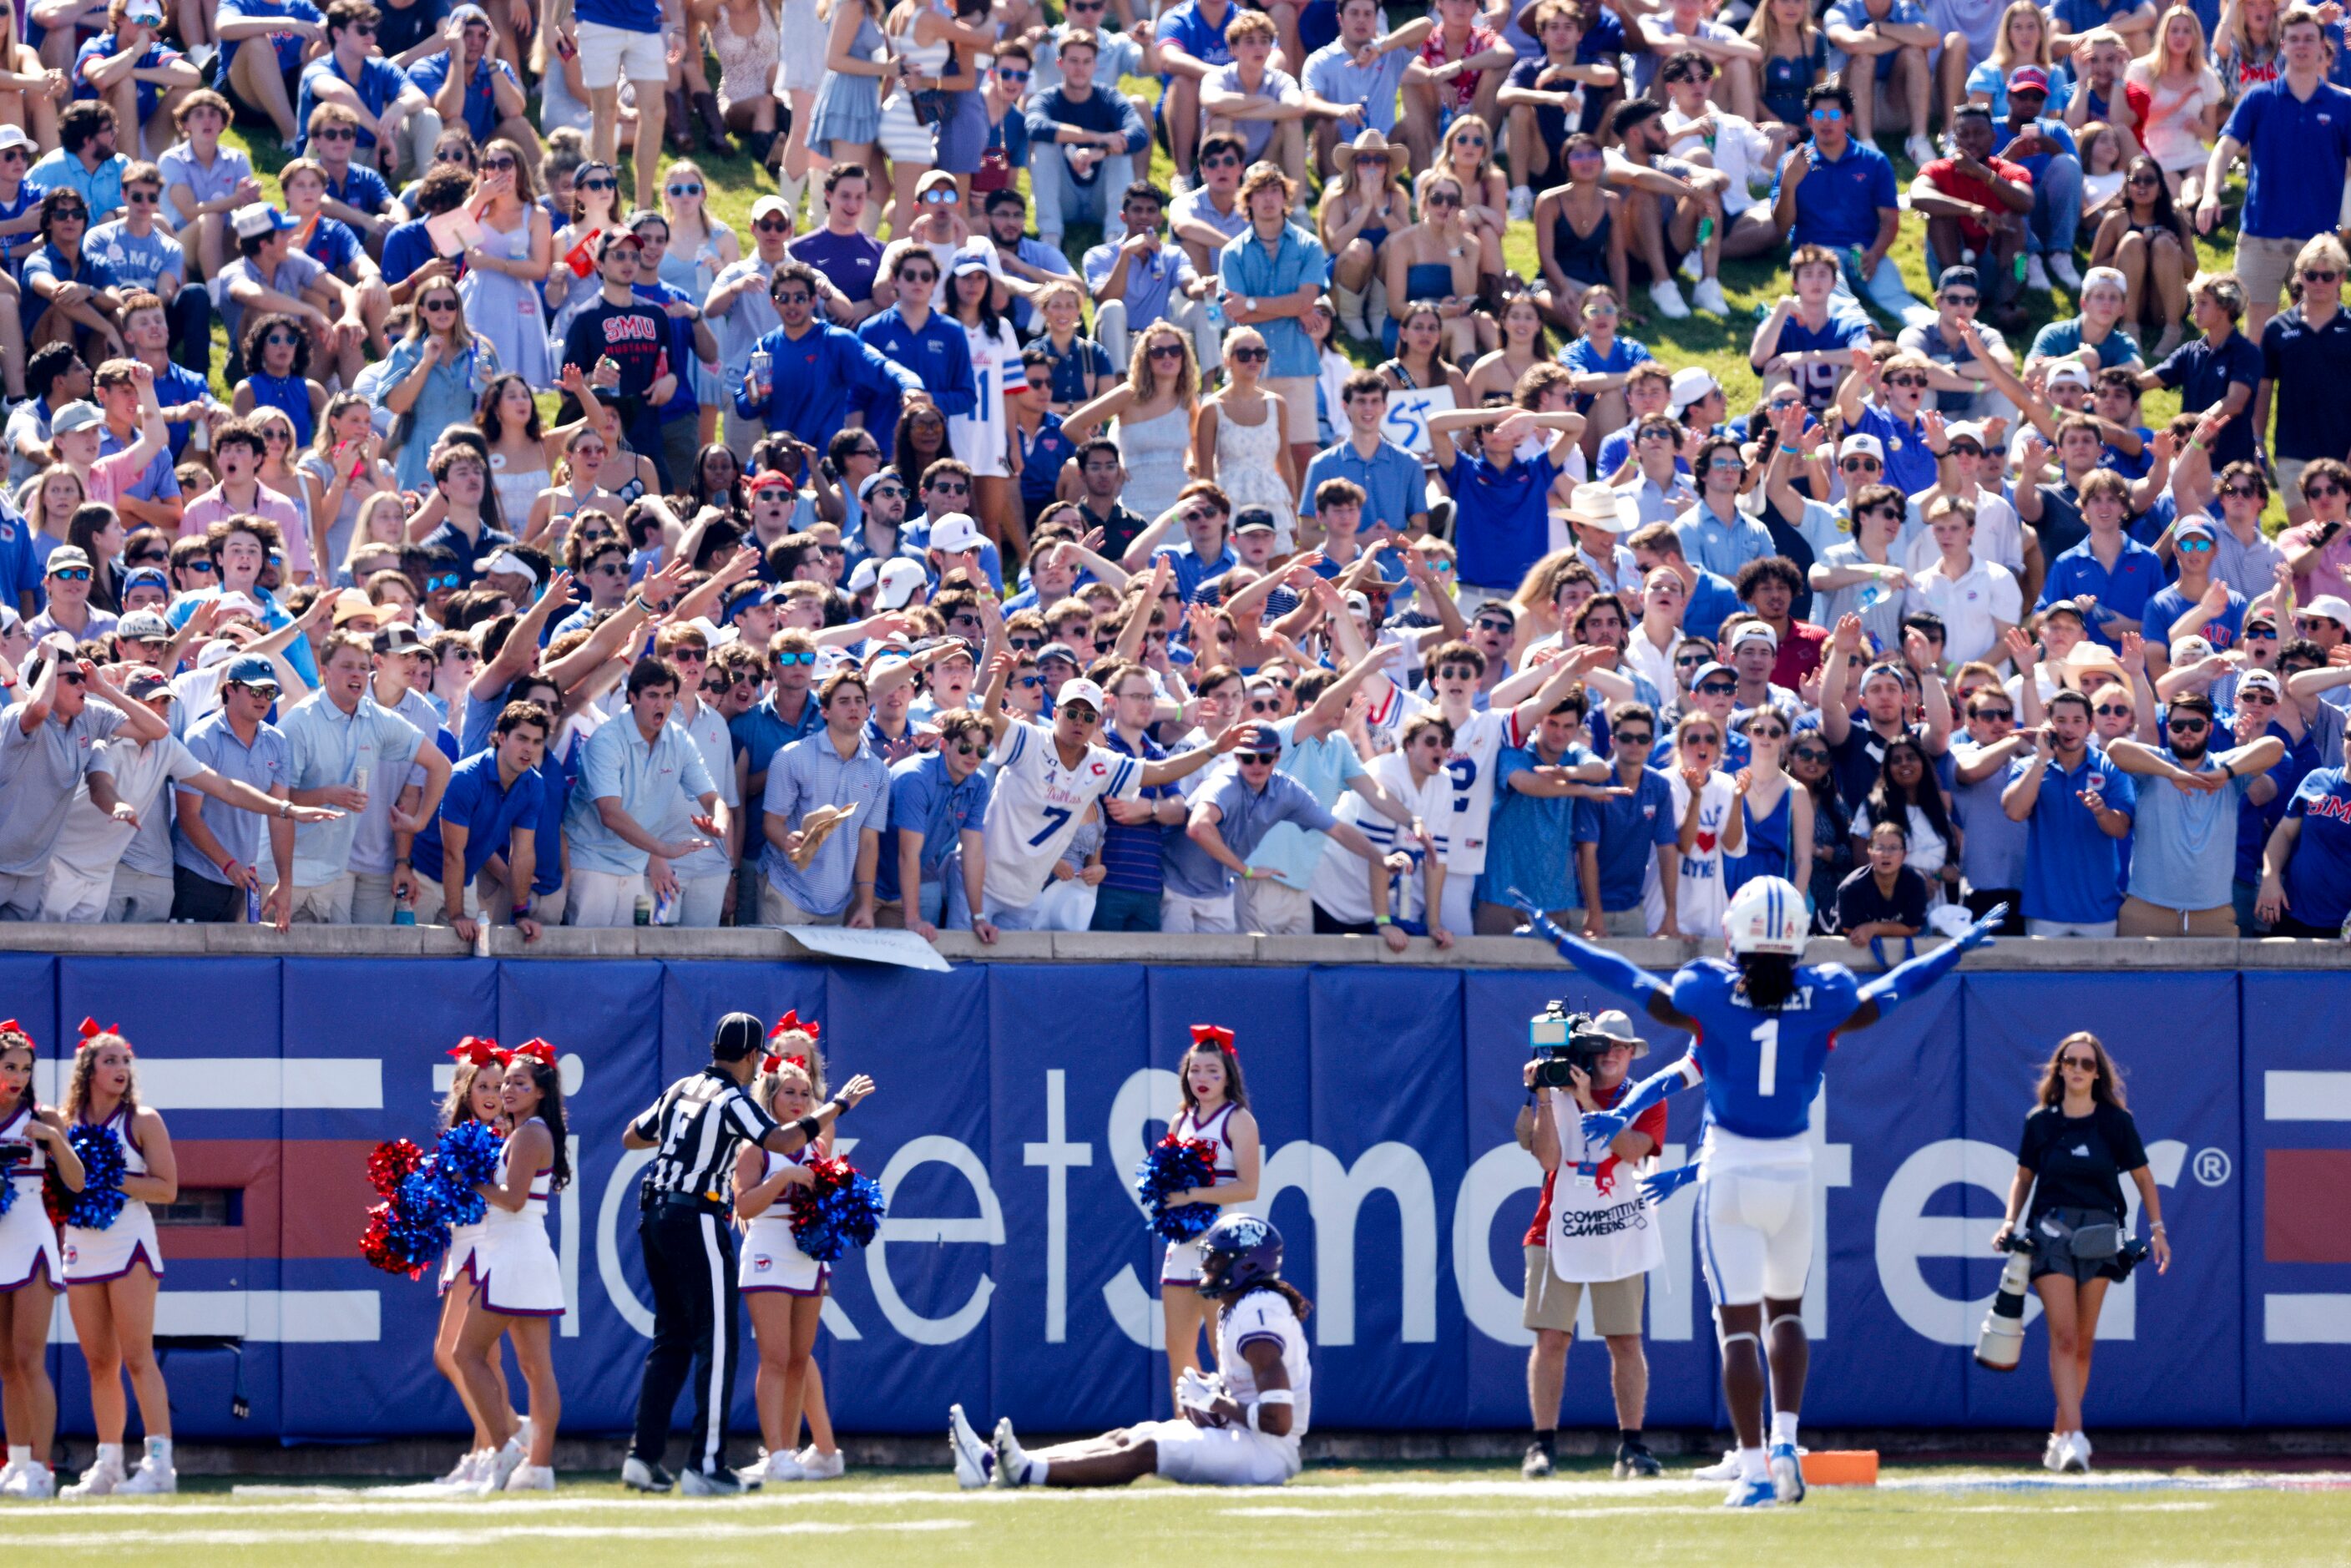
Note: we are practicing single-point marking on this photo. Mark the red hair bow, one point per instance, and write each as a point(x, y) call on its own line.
point(89, 1030)
point(476, 1051)
point(1216, 1035)
point(10, 1026)
point(790, 1021)
point(537, 1051)
point(778, 1063)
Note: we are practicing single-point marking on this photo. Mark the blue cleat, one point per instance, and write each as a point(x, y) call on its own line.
point(1758, 1493)
point(1787, 1473)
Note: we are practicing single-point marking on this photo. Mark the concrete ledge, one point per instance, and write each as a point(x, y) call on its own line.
point(761, 944)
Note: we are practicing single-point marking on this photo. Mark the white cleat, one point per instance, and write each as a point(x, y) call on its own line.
point(36, 1483)
point(1787, 1473)
point(2052, 1455)
point(532, 1478)
point(821, 1467)
point(2076, 1461)
point(780, 1468)
point(1727, 1470)
point(1011, 1464)
point(975, 1461)
point(150, 1479)
point(100, 1479)
point(467, 1471)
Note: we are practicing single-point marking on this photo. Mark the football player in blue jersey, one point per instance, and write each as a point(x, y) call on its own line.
point(1761, 1026)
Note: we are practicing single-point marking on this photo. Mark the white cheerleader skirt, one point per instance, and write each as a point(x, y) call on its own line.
point(772, 1260)
point(1181, 1265)
point(94, 1256)
point(463, 1238)
point(28, 1245)
point(513, 1265)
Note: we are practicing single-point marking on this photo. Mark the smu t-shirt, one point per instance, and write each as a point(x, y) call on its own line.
point(2318, 878)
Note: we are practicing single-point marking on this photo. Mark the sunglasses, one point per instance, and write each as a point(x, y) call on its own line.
point(1918, 381)
point(1247, 356)
point(684, 190)
point(202, 568)
point(910, 277)
point(1079, 713)
point(1640, 737)
point(1439, 199)
point(1027, 683)
point(337, 133)
point(2322, 275)
point(1755, 733)
point(72, 574)
point(785, 661)
point(1691, 661)
point(2256, 698)
point(1717, 689)
point(939, 196)
point(160, 557)
point(1701, 737)
point(2323, 489)
point(605, 184)
point(1457, 672)
point(438, 307)
point(1262, 758)
point(777, 226)
point(435, 584)
point(1996, 715)
point(2188, 726)
point(1263, 705)
point(281, 340)
point(1011, 75)
point(2261, 633)
point(1809, 754)
point(2110, 710)
point(499, 166)
point(690, 655)
point(1828, 114)
point(950, 487)
point(1962, 300)
point(1167, 351)
point(2080, 1064)
point(1859, 465)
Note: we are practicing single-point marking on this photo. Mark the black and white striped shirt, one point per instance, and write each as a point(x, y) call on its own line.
point(695, 1127)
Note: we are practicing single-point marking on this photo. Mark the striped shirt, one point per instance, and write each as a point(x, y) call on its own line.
point(695, 1127)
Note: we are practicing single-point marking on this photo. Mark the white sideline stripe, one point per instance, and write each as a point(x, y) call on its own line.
point(2307, 1096)
point(2306, 1318)
point(245, 1082)
point(280, 1317)
point(453, 1537)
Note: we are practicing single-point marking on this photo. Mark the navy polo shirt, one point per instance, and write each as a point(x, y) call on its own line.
point(2294, 152)
point(2073, 872)
point(2137, 577)
point(2203, 373)
point(1501, 522)
point(489, 812)
point(2310, 364)
point(1838, 203)
point(1627, 831)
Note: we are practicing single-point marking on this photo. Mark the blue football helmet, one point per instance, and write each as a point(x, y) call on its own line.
point(1237, 1252)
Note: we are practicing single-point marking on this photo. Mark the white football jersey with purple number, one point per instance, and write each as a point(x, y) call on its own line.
point(1036, 802)
point(1260, 1316)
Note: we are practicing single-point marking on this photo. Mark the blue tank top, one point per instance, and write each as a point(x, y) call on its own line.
point(1768, 850)
point(290, 394)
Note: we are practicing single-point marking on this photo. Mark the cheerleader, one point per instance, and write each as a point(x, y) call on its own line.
point(783, 1286)
point(1216, 1109)
point(516, 1285)
point(477, 1093)
point(112, 1275)
point(31, 1142)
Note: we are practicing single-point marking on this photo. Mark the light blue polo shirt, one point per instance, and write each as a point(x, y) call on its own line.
point(326, 747)
point(243, 834)
point(1325, 766)
point(617, 762)
point(1252, 274)
point(2184, 843)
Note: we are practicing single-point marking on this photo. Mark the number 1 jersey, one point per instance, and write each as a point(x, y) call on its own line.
point(1762, 1068)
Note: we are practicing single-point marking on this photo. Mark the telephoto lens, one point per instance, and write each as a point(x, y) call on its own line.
point(2000, 1344)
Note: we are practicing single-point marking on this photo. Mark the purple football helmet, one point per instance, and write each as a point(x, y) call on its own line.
point(1237, 1252)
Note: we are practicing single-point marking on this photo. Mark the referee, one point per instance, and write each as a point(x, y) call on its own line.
point(696, 1125)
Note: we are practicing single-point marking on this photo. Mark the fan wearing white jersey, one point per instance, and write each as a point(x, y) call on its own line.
point(1045, 777)
point(1240, 1428)
point(1454, 672)
point(1346, 887)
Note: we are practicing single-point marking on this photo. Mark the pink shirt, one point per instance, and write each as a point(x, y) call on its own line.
point(211, 506)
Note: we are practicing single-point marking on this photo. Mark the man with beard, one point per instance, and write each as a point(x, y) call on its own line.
point(2184, 845)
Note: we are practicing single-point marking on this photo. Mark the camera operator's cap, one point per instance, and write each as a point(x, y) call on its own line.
point(1082, 690)
point(2326, 606)
point(770, 203)
point(250, 670)
point(863, 575)
point(736, 1037)
point(1059, 651)
point(351, 604)
point(2266, 680)
point(1691, 384)
point(67, 557)
point(1754, 632)
point(2029, 79)
point(80, 415)
point(2189, 651)
point(956, 533)
point(1253, 520)
point(146, 684)
point(13, 135)
point(1613, 1024)
point(1868, 445)
point(255, 219)
point(2070, 371)
point(897, 583)
point(1597, 506)
point(143, 626)
point(398, 638)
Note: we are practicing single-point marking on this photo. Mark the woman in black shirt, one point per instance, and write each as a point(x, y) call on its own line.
point(2079, 1143)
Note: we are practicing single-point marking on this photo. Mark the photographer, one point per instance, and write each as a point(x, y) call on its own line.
point(1592, 1229)
point(2079, 1142)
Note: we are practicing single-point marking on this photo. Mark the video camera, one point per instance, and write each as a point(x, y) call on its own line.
point(1562, 1039)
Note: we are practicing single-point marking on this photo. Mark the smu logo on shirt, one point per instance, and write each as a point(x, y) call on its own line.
point(2330, 806)
point(621, 329)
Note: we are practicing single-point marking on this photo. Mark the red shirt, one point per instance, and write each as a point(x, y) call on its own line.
point(1944, 174)
point(1800, 653)
point(1650, 1124)
point(1482, 40)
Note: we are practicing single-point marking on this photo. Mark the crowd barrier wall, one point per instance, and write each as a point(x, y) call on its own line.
point(1015, 1274)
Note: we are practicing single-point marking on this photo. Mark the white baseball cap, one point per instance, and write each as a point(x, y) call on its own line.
point(1868, 445)
point(2330, 608)
point(898, 581)
point(956, 533)
point(1078, 689)
point(1691, 384)
point(1754, 631)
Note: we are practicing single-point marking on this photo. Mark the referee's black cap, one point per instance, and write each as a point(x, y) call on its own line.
point(738, 1035)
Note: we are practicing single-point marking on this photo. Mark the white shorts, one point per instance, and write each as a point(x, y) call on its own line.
point(1755, 1232)
point(772, 1260)
point(76, 896)
point(607, 54)
point(27, 1244)
point(1220, 1455)
point(515, 1267)
point(462, 1241)
point(94, 1256)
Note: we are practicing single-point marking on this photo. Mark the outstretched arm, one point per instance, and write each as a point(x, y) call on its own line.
point(1918, 974)
point(1602, 1126)
point(1619, 975)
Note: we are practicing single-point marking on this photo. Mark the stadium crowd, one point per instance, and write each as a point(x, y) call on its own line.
point(1286, 562)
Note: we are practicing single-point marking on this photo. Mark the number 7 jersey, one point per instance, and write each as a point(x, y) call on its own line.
point(1035, 803)
point(1762, 1068)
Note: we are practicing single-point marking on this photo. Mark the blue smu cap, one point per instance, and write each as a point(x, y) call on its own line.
point(251, 669)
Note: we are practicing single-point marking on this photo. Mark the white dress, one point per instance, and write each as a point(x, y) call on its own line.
point(93, 1257)
point(772, 1258)
point(1182, 1264)
point(1247, 455)
point(28, 1245)
point(513, 1262)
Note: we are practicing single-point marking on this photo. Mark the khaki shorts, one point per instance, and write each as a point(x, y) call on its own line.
point(775, 909)
point(1551, 1301)
point(2140, 919)
point(2265, 265)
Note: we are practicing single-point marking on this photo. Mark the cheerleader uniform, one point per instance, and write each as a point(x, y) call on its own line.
point(513, 1262)
point(1182, 1266)
point(28, 1246)
point(458, 1259)
point(772, 1258)
point(94, 1256)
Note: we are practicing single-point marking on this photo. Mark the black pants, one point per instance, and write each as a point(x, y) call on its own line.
point(200, 899)
point(191, 316)
point(690, 1261)
point(1980, 901)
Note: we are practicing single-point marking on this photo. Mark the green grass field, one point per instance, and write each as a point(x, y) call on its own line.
point(1332, 1515)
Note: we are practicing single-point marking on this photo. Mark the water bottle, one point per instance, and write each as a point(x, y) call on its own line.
point(1214, 306)
point(360, 781)
point(644, 914)
point(481, 938)
point(403, 909)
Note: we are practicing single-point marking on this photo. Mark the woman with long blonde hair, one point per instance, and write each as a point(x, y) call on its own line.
point(1468, 154)
point(112, 1274)
point(382, 523)
point(1795, 56)
point(2246, 45)
point(1437, 260)
point(506, 265)
point(1241, 438)
point(1365, 201)
point(1153, 409)
point(700, 248)
point(2023, 40)
point(32, 1271)
point(2183, 96)
point(2079, 1142)
point(433, 377)
point(342, 468)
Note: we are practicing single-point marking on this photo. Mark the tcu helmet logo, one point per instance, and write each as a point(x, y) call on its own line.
point(1248, 1230)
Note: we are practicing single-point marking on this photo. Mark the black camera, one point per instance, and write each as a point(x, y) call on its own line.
point(1562, 1039)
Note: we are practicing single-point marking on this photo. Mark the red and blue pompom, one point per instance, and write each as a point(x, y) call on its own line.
point(466, 1158)
point(839, 1208)
point(1177, 1164)
point(391, 1163)
point(99, 1202)
point(424, 1195)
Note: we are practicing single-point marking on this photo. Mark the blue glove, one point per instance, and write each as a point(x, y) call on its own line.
point(1979, 935)
point(1601, 1128)
point(1664, 1184)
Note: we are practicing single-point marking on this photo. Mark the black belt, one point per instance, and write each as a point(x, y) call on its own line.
point(691, 1202)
